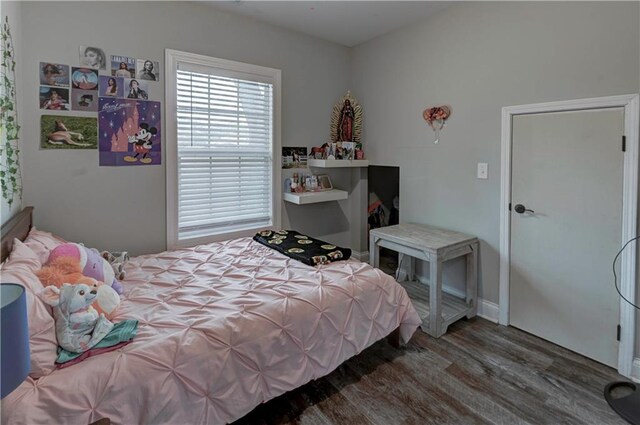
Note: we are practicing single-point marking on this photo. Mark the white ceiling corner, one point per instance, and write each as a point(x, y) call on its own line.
point(348, 23)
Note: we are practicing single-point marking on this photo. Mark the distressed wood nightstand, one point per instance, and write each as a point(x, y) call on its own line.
point(436, 246)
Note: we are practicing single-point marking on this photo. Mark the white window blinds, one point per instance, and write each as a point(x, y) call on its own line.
point(225, 151)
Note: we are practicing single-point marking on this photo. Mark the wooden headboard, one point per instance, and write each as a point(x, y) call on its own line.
point(18, 226)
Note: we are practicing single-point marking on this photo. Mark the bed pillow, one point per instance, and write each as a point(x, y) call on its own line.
point(20, 268)
point(42, 243)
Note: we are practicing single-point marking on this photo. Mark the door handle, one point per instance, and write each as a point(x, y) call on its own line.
point(520, 209)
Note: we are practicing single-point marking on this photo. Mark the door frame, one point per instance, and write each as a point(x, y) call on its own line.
point(630, 103)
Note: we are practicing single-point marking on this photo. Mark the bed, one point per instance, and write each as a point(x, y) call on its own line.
point(223, 327)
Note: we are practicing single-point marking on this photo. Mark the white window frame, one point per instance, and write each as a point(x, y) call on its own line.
point(172, 59)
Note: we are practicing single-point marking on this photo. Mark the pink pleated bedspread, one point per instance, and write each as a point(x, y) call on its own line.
point(223, 328)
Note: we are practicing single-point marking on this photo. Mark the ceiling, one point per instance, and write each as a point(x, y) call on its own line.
point(344, 22)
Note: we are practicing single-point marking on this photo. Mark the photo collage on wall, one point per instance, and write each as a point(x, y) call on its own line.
point(119, 89)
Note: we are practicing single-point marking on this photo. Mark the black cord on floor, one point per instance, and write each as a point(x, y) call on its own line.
point(615, 277)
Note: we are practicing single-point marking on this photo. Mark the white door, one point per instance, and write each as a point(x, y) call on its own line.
point(567, 167)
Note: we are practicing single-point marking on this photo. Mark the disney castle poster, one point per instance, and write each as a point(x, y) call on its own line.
point(129, 132)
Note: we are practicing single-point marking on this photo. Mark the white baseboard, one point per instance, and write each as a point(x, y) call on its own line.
point(361, 256)
point(635, 370)
point(488, 310)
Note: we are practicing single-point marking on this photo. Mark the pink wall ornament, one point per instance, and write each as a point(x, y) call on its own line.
point(437, 117)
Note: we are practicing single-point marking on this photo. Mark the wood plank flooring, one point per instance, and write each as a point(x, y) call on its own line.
point(478, 373)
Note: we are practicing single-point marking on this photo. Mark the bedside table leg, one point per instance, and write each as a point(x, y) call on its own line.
point(374, 252)
point(472, 281)
point(435, 298)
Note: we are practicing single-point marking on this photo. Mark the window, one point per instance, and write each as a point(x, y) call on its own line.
point(223, 140)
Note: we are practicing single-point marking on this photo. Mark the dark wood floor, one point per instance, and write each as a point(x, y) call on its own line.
point(478, 372)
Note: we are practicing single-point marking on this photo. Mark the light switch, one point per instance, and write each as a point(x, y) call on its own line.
point(483, 170)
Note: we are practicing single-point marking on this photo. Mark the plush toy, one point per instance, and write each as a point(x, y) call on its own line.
point(67, 270)
point(92, 263)
point(117, 259)
point(78, 325)
point(107, 301)
point(59, 271)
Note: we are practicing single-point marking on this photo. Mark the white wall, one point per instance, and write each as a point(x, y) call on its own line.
point(124, 207)
point(13, 10)
point(479, 57)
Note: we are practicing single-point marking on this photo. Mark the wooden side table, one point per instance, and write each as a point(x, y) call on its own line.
point(436, 246)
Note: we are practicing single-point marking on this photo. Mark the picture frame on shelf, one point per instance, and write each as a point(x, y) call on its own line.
point(348, 150)
point(324, 182)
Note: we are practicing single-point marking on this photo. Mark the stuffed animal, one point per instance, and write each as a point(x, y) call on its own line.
point(78, 325)
point(92, 263)
point(67, 270)
point(59, 271)
point(107, 301)
point(117, 259)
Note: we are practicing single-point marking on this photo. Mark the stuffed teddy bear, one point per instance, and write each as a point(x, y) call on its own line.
point(117, 259)
point(67, 270)
point(91, 262)
point(78, 325)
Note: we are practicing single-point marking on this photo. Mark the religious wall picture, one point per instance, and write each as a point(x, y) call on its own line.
point(68, 132)
point(346, 120)
point(294, 157)
point(84, 100)
point(129, 132)
point(148, 70)
point(54, 98)
point(123, 66)
point(111, 86)
point(92, 57)
point(54, 74)
point(84, 78)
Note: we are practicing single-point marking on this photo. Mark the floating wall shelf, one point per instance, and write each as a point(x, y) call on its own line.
point(315, 197)
point(337, 163)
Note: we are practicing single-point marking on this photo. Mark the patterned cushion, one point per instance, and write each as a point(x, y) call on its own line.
point(20, 268)
point(301, 247)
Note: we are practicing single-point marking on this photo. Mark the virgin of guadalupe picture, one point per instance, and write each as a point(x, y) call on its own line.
point(345, 123)
point(129, 132)
point(346, 120)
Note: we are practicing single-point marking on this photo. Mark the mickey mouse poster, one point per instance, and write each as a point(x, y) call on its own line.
point(129, 132)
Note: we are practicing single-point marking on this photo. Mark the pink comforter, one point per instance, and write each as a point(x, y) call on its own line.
point(223, 328)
